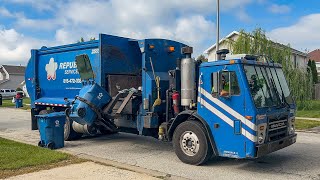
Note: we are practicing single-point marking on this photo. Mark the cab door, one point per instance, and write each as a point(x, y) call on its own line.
point(221, 103)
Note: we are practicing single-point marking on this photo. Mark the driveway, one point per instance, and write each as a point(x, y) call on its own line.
point(299, 161)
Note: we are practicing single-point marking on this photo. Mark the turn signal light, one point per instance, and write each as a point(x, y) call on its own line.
point(248, 117)
point(171, 49)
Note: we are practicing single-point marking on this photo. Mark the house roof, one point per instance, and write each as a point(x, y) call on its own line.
point(315, 55)
point(234, 33)
point(19, 70)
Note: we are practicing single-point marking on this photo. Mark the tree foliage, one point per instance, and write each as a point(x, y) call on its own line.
point(299, 79)
point(83, 40)
point(313, 70)
point(202, 58)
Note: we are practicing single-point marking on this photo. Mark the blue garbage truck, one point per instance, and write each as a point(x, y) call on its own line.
point(239, 106)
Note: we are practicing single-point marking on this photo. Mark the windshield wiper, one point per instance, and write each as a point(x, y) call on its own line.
point(267, 84)
point(283, 96)
point(274, 86)
point(258, 78)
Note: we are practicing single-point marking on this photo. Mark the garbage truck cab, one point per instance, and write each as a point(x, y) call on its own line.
point(247, 106)
point(239, 107)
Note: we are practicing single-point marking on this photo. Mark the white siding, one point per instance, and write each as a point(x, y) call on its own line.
point(301, 60)
point(224, 44)
point(318, 70)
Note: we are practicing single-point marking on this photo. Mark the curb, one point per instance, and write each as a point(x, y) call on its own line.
point(306, 131)
point(306, 118)
point(106, 162)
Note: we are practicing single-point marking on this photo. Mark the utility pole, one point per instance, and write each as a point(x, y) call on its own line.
point(218, 28)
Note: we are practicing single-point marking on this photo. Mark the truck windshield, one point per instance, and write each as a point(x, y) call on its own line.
point(281, 84)
point(263, 86)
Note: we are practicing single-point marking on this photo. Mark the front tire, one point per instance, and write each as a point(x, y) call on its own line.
point(191, 144)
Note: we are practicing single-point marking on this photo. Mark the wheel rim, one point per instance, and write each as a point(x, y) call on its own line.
point(66, 127)
point(189, 143)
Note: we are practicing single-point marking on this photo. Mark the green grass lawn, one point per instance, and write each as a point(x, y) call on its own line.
point(306, 124)
point(18, 158)
point(312, 112)
point(8, 103)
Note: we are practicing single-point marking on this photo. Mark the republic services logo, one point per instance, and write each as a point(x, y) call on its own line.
point(51, 68)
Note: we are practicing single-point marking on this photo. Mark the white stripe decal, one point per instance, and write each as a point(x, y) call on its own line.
point(226, 119)
point(228, 109)
point(216, 112)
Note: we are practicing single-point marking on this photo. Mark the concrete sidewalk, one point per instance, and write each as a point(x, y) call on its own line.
point(87, 170)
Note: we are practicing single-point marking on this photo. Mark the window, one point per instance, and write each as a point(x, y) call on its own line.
point(224, 84)
point(295, 61)
point(13, 90)
point(2, 90)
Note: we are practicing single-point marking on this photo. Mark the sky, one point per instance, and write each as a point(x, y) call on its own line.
point(31, 24)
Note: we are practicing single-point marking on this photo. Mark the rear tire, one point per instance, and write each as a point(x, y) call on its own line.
point(69, 133)
point(191, 144)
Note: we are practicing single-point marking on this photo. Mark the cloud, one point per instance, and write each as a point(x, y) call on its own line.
point(279, 9)
point(36, 24)
point(188, 21)
point(302, 35)
point(40, 5)
point(15, 47)
point(5, 12)
point(243, 16)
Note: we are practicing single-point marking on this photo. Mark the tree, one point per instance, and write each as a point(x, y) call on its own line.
point(299, 80)
point(312, 68)
point(202, 58)
point(82, 39)
point(314, 72)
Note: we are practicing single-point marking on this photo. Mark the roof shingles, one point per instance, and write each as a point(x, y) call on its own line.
point(14, 69)
point(315, 55)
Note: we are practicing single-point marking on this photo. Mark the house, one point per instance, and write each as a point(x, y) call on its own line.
point(11, 76)
point(24, 88)
point(315, 55)
point(300, 59)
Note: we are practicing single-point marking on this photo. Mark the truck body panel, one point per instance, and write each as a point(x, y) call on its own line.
point(52, 74)
point(241, 105)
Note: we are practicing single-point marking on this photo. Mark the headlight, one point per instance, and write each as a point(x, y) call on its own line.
point(261, 138)
point(262, 133)
point(291, 127)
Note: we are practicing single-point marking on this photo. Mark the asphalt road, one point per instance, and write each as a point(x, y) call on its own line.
point(299, 161)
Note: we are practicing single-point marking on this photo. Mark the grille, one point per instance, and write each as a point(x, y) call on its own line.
point(277, 128)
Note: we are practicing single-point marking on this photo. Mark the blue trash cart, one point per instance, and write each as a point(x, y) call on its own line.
point(51, 128)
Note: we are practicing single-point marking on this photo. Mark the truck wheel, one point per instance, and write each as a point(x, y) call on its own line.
point(191, 144)
point(69, 133)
